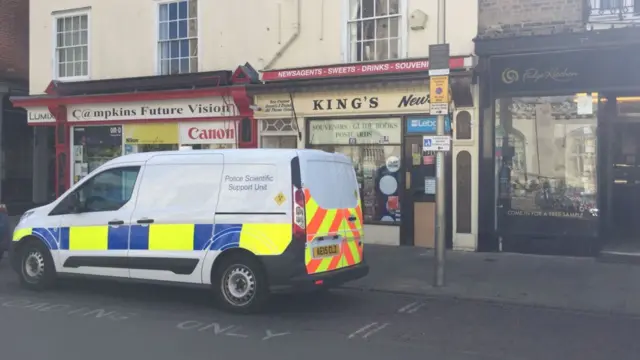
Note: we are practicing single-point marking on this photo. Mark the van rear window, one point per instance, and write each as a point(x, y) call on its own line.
point(332, 184)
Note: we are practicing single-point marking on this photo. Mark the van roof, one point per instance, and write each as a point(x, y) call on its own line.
point(237, 153)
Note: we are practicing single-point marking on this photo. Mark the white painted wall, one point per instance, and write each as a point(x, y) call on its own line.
point(122, 35)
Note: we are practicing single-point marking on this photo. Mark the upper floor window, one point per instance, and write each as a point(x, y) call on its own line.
point(72, 46)
point(178, 37)
point(374, 30)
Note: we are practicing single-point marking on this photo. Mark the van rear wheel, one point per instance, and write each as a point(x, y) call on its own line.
point(240, 284)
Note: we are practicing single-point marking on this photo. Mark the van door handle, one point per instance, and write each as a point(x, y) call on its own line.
point(116, 222)
point(145, 221)
point(352, 218)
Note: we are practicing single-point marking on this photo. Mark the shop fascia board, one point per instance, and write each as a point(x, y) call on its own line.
point(326, 84)
point(54, 100)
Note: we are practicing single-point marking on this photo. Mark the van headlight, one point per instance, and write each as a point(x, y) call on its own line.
point(26, 215)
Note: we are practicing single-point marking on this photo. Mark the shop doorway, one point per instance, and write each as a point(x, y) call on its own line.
point(418, 199)
point(623, 217)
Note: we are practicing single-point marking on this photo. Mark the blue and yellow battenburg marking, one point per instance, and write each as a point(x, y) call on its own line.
point(261, 239)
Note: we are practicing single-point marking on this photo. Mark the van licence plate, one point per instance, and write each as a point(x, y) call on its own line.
point(326, 251)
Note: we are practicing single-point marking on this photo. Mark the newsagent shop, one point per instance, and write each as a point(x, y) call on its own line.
point(96, 121)
point(377, 115)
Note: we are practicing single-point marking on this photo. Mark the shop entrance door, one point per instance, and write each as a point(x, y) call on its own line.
point(418, 203)
point(624, 215)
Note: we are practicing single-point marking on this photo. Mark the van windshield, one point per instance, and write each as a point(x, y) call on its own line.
point(332, 184)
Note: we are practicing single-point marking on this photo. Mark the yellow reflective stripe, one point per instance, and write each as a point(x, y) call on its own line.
point(265, 239)
point(171, 237)
point(324, 265)
point(353, 248)
point(20, 233)
point(326, 223)
point(308, 256)
point(310, 210)
point(89, 238)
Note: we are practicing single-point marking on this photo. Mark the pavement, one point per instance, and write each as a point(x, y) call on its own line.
point(103, 320)
point(580, 284)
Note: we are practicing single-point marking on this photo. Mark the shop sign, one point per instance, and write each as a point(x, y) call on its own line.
point(571, 71)
point(40, 115)
point(153, 110)
point(355, 131)
point(151, 134)
point(310, 104)
point(427, 125)
point(276, 107)
point(389, 67)
point(215, 132)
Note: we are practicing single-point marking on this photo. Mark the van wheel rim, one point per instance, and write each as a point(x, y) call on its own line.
point(239, 285)
point(33, 268)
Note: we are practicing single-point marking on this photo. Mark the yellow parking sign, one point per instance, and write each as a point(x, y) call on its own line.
point(439, 89)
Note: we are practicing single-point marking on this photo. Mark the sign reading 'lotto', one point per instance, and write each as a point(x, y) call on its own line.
point(356, 70)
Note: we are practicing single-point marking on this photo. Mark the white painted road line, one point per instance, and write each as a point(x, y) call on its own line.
point(368, 330)
point(411, 308)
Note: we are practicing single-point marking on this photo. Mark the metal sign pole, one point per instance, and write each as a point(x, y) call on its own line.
point(439, 94)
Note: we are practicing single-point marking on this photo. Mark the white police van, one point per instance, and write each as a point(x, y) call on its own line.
point(245, 222)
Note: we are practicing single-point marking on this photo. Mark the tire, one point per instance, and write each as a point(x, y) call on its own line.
point(252, 291)
point(37, 271)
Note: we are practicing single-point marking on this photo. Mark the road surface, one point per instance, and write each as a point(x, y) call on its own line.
point(99, 320)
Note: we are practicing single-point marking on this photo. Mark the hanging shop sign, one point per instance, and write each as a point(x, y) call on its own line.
point(148, 134)
point(389, 67)
point(40, 115)
point(355, 131)
point(415, 100)
point(213, 132)
point(153, 110)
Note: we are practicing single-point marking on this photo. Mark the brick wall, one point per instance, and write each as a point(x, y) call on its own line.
point(498, 18)
point(14, 39)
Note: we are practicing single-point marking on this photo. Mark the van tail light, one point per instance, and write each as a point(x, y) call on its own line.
point(3, 208)
point(299, 217)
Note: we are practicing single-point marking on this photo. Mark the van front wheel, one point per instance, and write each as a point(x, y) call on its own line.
point(240, 284)
point(37, 271)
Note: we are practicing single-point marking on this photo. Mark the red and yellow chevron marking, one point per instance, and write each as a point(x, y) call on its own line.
point(329, 222)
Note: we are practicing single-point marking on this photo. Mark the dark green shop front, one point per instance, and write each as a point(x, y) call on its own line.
point(556, 175)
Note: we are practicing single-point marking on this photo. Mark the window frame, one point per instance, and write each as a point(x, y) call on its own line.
point(156, 30)
point(62, 207)
point(54, 34)
point(403, 33)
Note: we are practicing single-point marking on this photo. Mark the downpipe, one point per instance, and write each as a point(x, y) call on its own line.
point(289, 41)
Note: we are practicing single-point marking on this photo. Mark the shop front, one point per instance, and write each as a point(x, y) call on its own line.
point(380, 128)
point(135, 115)
point(562, 172)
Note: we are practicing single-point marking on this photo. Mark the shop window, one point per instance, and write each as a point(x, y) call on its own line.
point(72, 46)
point(546, 165)
point(178, 37)
point(94, 146)
point(373, 145)
point(277, 125)
point(279, 142)
point(374, 30)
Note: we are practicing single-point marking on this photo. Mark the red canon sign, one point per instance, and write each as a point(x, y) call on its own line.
point(211, 134)
point(357, 69)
